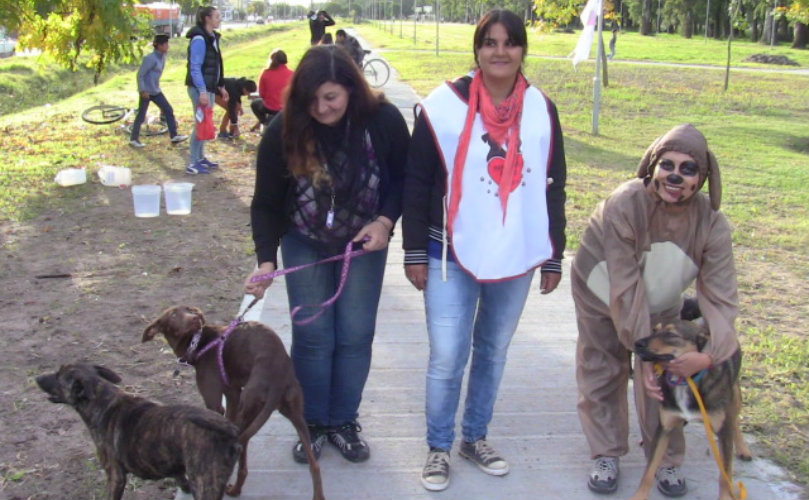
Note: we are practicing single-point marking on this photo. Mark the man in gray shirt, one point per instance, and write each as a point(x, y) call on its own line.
point(149, 89)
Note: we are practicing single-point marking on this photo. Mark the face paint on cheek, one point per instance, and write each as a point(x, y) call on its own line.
point(657, 184)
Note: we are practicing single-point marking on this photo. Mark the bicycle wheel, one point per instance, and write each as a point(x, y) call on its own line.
point(153, 125)
point(376, 72)
point(103, 113)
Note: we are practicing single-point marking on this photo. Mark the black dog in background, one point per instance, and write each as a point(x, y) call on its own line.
point(195, 446)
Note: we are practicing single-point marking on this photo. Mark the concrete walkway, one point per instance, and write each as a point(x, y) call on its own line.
point(535, 424)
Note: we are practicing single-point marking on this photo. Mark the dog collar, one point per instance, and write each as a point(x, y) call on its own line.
point(190, 353)
point(674, 381)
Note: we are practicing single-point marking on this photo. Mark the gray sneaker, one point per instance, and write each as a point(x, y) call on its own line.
point(136, 144)
point(435, 476)
point(483, 455)
point(604, 475)
point(670, 482)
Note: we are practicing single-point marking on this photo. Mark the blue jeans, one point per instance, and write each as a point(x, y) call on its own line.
point(143, 105)
point(332, 355)
point(197, 147)
point(462, 315)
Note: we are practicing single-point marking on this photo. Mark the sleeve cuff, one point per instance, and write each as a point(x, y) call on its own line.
point(415, 257)
point(552, 266)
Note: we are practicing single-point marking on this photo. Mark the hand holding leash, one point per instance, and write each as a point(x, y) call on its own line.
point(375, 235)
point(257, 288)
point(689, 363)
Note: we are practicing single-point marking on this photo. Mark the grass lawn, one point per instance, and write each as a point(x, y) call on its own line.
point(757, 130)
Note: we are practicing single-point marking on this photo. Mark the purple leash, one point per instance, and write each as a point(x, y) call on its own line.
point(220, 342)
point(346, 257)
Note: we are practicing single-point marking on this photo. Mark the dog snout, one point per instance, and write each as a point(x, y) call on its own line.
point(641, 344)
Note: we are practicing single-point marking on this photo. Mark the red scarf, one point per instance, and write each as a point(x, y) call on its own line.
point(502, 122)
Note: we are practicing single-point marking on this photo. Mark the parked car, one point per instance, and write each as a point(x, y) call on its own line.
point(8, 45)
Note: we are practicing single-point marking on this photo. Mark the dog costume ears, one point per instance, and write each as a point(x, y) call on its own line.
point(686, 139)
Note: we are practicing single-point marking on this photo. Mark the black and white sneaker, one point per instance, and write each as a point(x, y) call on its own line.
point(345, 438)
point(317, 435)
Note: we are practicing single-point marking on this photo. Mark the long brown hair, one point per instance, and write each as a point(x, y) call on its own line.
point(321, 64)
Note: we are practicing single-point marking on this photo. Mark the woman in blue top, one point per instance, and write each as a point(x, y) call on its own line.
point(204, 79)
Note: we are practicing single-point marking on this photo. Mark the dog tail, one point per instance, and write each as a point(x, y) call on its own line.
point(224, 431)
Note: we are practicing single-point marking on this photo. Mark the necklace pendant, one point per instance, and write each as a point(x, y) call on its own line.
point(330, 219)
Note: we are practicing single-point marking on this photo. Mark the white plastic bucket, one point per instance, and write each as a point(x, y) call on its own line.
point(178, 197)
point(71, 177)
point(147, 200)
point(114, 176)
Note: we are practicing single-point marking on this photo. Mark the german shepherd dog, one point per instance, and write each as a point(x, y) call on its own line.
point(718, 386)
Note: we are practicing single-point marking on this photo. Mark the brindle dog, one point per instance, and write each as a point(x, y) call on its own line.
point(718, 386)
point(260, 375)
point(195, 446)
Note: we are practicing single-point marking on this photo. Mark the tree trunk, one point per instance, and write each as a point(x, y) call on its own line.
point(800, 36)
point(752, 20)
point(646, 21)
point(766, 34)
point(688, 25)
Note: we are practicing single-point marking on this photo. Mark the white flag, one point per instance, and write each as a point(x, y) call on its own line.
point(589, 17)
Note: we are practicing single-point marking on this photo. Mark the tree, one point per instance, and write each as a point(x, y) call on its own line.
point(106, 30)
point(553, 13)
point(799, 14)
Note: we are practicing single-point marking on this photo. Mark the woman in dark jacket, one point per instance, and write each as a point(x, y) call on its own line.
point(330, 171)
point(204, 78)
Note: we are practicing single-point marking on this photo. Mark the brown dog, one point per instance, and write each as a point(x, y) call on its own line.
point(260, 373)
point(718, 387)
point(197, 447)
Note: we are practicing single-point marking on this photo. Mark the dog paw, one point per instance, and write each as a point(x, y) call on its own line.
point(233, 490)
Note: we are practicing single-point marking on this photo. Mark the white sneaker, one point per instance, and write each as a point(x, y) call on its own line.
point(136, 144)
point(483, 455)
point(178, 138)
point(435, 476)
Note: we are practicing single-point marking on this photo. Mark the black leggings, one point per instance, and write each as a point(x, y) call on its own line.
point(263, 114)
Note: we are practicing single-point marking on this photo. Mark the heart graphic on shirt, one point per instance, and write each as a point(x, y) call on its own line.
point(496, 165)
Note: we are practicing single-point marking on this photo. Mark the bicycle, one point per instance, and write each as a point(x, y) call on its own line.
point(376, 71)
point(102, 114)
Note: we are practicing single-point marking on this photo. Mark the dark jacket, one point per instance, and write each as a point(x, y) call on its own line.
point(235, 89)
point(426, 183)
point(317, 27)
point(213, 71)
point(275, 188)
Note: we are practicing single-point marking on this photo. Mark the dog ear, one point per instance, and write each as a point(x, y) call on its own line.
point(151, 330)
point(107, 374)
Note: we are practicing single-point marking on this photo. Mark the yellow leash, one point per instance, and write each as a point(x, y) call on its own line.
point(706, 421)
point(716, 455)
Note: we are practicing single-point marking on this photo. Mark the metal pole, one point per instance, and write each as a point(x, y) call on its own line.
point(597, 79)
point(436, 12)
point(707, 19)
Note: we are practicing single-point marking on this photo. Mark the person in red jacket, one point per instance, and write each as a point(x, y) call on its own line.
point(271, 86)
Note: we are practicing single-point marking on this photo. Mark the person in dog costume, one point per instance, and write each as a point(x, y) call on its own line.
point(484, 207)
point(643, 247)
